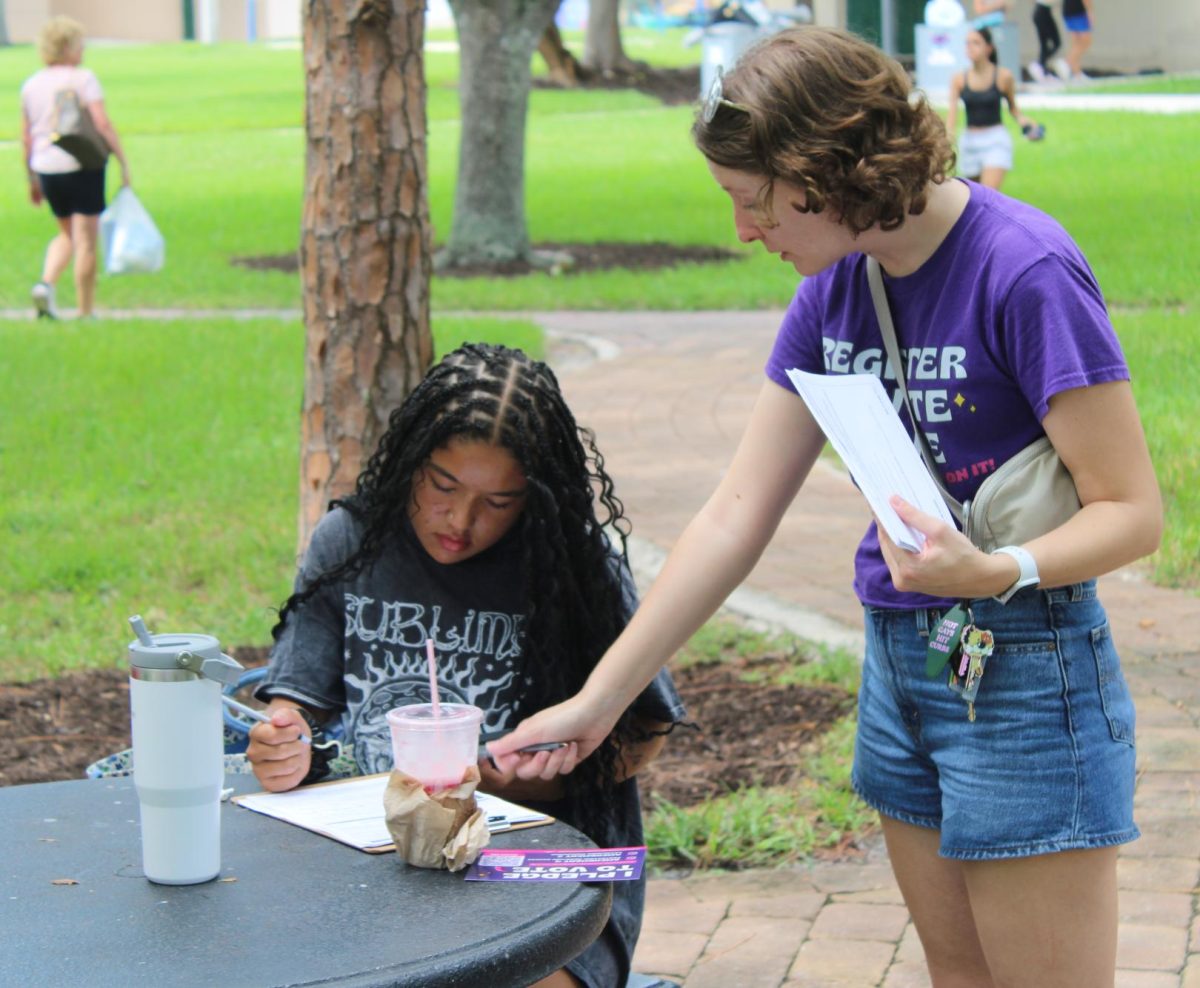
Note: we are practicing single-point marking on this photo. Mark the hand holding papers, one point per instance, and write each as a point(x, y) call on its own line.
point(860, 423)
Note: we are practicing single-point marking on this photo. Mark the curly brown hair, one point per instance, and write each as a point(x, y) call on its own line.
point(837, 118)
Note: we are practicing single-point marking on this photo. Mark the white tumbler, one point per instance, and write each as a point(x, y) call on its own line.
point(178, 748)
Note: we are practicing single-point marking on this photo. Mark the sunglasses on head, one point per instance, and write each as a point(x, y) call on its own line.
point(716, 98)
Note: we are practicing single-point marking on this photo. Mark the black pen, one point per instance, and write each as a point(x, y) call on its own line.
point(528, 749)
point(257, 715)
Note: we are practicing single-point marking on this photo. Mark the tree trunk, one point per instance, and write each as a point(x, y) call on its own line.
point(365, 239)
point(563, 67)
point(496, 40)
point(602, 48)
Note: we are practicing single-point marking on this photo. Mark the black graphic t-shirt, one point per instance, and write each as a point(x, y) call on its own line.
point(357, 649)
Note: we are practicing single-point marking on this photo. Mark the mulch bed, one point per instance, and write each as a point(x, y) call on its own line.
point(673, 86)
point(746, 733)
point(51, 729)
point(585, 258)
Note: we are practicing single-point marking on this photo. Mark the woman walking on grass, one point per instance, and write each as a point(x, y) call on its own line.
point(985, 151)
point(1003, 829)
point(75, 193)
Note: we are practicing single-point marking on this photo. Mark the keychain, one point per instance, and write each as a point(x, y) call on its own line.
point(957, 642)
point(966, 673)
point(945, 638)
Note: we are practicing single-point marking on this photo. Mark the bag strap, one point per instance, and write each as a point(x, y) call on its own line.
point(883, 314)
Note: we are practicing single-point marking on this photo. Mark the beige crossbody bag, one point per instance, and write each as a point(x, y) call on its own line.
point(1029, 494)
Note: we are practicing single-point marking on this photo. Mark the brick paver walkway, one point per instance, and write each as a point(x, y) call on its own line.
point(668, 398)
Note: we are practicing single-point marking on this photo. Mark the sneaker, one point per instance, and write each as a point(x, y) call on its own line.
point(43, 300)
point(1036, 72)
point(1061, 68)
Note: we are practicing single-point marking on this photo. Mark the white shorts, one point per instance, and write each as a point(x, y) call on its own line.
point(988, 147)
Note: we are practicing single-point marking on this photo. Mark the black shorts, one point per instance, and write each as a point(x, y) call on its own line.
point(74, 192)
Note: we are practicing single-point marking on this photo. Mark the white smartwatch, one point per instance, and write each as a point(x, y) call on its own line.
point(1028, 576)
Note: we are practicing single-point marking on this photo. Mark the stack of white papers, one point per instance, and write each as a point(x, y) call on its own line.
point(860, 423)
point(351, 811)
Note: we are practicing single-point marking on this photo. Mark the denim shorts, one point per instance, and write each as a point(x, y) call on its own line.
point(1048, 763)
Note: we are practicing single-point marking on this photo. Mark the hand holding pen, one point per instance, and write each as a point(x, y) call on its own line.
point(527, 750)
point(259, 715)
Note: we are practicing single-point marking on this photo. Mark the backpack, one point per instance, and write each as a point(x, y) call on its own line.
point(75, 132)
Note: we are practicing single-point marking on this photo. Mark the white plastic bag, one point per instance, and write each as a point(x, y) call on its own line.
point(129, 237)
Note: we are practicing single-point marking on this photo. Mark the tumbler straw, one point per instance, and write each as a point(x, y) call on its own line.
point(139, 629)
point(433, 687)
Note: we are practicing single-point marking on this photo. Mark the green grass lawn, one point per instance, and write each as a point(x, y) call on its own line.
point(153, 466)
point(223, 176)
point(1147, 84)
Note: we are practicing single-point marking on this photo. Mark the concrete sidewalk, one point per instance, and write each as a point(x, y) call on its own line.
point(668, 397)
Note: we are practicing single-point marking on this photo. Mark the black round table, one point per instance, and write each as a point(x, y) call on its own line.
point(290, 907)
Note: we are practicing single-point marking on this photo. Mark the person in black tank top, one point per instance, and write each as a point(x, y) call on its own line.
point(985, 148)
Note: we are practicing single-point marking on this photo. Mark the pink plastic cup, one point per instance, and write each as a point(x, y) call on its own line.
point(436, 750)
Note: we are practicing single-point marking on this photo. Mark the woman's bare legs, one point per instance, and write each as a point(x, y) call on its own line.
point(85, 231)
point(1081, 41)
point(935, 892)
point(76, 240)
point(993, 178)
point(1049, 920)
point(58, 252)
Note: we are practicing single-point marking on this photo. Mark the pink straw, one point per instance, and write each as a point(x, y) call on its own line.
point(433, 689)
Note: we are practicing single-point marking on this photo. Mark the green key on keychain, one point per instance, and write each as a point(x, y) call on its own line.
point(945, 638)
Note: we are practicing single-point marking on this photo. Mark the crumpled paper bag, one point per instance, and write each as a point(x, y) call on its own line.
point(445, 830)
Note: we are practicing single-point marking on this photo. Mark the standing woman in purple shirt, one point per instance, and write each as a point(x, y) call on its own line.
point(1002, 830)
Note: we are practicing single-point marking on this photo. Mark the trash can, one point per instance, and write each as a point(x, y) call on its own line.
point(734, 27)
point(721, 45)
point(941, 52)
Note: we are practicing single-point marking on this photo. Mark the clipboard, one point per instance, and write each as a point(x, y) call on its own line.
point(350, 811)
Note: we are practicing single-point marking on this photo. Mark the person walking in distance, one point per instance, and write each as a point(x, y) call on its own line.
point(1077, 16)
point(75, 194)
point(985, 153)
point(1049, 40)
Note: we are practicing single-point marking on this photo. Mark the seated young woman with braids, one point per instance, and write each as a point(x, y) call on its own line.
point(478, 522)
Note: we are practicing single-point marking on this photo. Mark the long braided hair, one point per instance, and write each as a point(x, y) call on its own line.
point(569, 567)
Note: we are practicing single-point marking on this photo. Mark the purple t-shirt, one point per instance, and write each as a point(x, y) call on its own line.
point(1004, 315)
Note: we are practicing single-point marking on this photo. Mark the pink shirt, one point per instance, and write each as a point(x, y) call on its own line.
point(37, 101)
